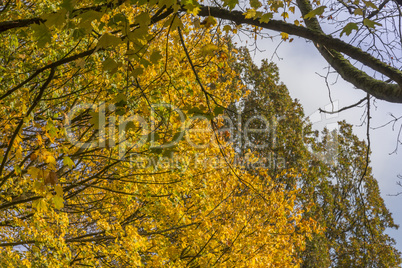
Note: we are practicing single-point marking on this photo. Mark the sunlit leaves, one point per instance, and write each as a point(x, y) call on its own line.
point(251, 13)
point(40, 205)
point(48, 157)
point(192, 6)
point(90, 180)
point(209, 49)
point(68, 162)
point(58, 202)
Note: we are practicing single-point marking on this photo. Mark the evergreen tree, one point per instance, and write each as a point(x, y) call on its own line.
point(338, 189)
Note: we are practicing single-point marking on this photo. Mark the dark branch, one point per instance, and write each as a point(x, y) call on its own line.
point(331, 48)
point(17, 130)
point(344, 108)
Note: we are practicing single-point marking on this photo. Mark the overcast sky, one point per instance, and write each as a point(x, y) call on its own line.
point(297, 67)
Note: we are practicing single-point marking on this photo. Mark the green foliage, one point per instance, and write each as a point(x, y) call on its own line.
point(316, 12)
point(349, 28)
point(370, 23)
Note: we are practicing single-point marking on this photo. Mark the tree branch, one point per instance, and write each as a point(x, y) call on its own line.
point(17, 130)
point(331, 48)
point(7, 25)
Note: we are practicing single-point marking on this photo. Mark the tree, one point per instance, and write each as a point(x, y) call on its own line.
point(335, 178)
point(86, 177)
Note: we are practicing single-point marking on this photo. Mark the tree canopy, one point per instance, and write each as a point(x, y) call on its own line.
point(125, 132)
point(363, 45)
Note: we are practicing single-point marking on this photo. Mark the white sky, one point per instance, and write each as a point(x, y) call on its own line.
point(298, 66)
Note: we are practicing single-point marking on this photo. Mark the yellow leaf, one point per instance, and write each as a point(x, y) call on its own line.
point(292, 9)
point(59, 190)
point(250, 14)
point(39, 205)
point(284, 36)
point(58, 202)
point(68, 162)
point(209, 49)
point(48, 158)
